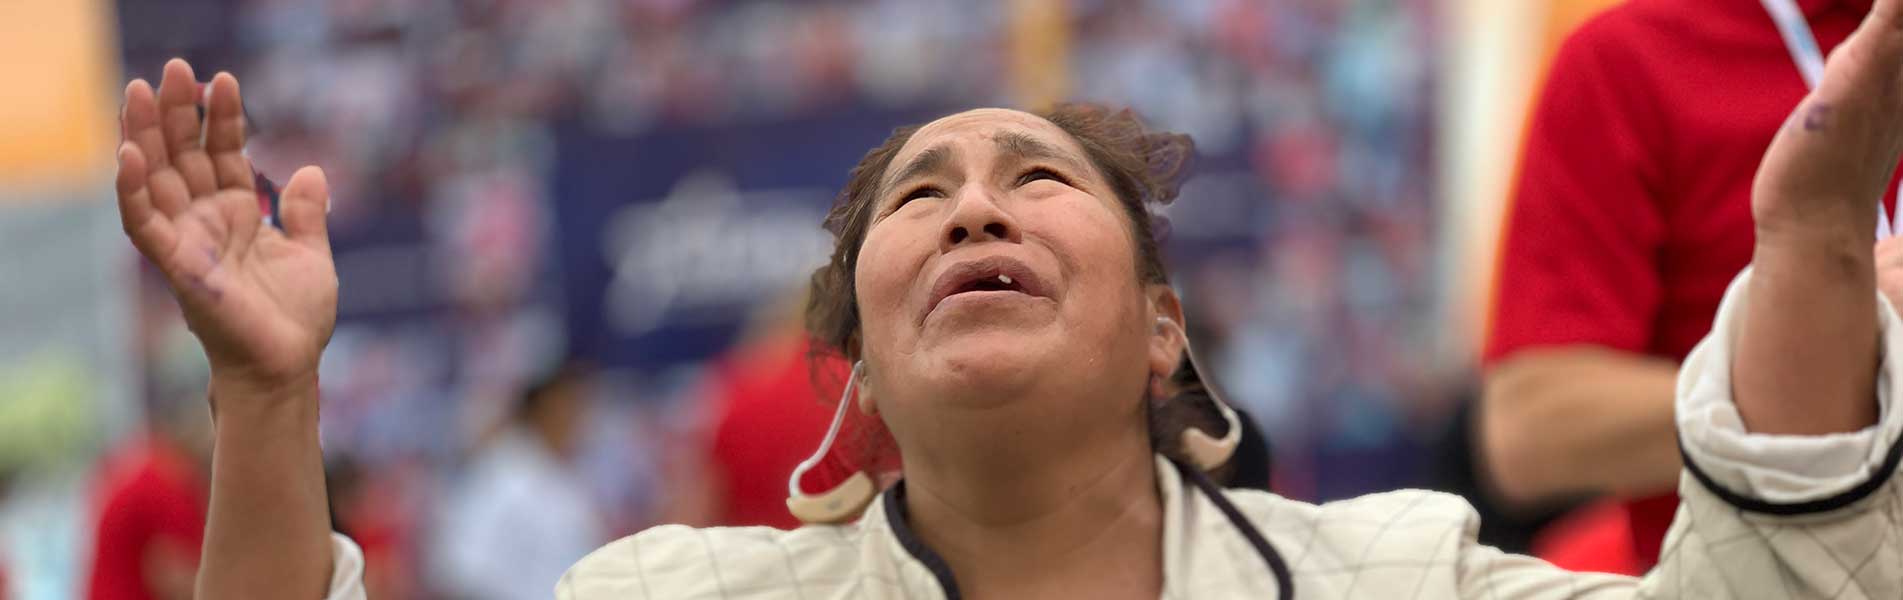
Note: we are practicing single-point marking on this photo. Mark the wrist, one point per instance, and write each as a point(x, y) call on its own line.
point(238, 393)
point(1787, 217)
point(1816, 253)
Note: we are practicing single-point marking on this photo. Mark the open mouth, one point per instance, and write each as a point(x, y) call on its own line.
point(998, 283)
point(990, 274)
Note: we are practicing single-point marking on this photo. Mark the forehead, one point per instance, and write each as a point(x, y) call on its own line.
point(982, 125)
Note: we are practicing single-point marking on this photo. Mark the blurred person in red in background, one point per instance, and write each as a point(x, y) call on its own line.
point(149, 496)
point(150, 521)
point(368, 501)
point(5, 583)
point(1630, 214)
point(522, 512)
point(762, 412)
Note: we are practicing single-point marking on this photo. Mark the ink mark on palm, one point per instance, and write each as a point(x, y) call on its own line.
point(202, 283)
point(205, 288)
point(1816, 117)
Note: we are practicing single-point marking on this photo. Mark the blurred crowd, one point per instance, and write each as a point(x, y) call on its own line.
point(455, 380)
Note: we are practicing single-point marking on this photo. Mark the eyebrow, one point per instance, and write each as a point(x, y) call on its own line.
point(1019, 146)
point(935, 158)
point(1015, 146)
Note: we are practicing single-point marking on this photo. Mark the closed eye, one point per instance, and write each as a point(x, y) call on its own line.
point(921, 192)
point(1038, 173)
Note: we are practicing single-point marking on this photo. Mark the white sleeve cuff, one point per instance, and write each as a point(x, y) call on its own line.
point(346, 569)
point(1780, 473)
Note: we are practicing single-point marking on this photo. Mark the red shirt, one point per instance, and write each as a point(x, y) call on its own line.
point(150, 498)
point(1632, 208)
point(769, 419)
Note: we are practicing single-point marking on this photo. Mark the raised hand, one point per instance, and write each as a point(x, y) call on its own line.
point(263, 302)
point(1889, 259)
point(1831, 162)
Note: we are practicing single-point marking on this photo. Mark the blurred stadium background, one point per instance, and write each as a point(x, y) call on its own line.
point(638, 184)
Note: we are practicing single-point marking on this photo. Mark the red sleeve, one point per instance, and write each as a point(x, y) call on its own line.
point(118, 531)
point(156, 503)
point(1582, 226)
point(178, 515)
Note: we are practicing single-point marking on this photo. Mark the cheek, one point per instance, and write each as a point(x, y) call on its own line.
point(889, 262)
point(1093, 245)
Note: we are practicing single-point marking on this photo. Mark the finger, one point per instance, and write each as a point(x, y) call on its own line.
point(150, 231)
point(141, 121)
point(1884, 23)
point(1886, 264)
point(1890, 284)
point(1889, 253)
point(1889, 245)
point(1879, 38)
point(304, 204)
point(1887, 14)
point(224, 134)
point(178, 119)
point(244, 218)
point(169, 194)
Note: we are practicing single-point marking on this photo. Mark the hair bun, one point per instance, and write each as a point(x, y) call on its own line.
point(1170, 157)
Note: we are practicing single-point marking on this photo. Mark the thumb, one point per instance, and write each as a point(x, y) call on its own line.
point(1887, 14)
point(1879, 38)
point(304, 204)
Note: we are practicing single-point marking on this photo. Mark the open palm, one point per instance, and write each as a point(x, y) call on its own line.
point(263, 302)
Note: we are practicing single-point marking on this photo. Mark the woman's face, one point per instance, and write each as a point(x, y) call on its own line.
point(1000, 266)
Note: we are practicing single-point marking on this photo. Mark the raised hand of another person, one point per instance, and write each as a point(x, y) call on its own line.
point(1831, 162)
point(1808, 344)
point(262, 301)
point(1889, 258)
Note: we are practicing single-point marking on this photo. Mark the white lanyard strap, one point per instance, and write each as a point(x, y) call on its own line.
point(1802, 44)
point(1798, 39)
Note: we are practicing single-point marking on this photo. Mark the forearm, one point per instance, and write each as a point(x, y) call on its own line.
point(267, 534)
point(1807, 349)
point(1582, 420)
point(1809, 499)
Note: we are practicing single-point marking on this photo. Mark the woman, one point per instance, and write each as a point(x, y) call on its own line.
point(995, 283)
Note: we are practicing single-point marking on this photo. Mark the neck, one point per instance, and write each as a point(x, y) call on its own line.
point(1084, 520)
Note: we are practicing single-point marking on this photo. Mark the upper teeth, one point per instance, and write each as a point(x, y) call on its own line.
point(1004, 279)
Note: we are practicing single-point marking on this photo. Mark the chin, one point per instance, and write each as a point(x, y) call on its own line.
point(992, 364)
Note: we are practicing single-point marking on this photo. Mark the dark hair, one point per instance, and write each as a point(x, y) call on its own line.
point(1193, 405)
point(1142, 166)
point(535, 395)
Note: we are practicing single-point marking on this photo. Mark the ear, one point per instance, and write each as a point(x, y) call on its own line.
point(863, 385)
point(1167, 337)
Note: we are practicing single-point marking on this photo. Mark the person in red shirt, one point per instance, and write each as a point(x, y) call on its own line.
point(1630, 214)
point(148, 496)
point(5, 584)
point(149, 522)
point(762, 416)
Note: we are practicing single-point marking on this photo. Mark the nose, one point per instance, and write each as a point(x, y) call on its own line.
point(976, 217)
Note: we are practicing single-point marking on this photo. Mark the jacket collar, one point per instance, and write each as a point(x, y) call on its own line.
point(1183, 515)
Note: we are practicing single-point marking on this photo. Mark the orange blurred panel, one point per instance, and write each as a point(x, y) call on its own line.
point(1039, 52)
point(1562, 17)
point(57, 122)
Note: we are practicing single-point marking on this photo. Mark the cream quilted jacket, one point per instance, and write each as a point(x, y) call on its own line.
point(1761, 517)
